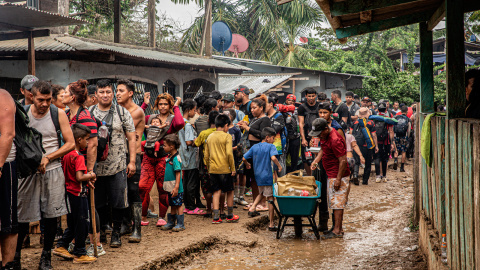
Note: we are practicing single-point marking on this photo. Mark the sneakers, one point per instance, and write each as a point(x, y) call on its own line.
point(249, 193)
point(402, 170)
point(378, 179)
point(144, 223)
point(150, 214)
point(385, 180)
point(84, 259)
point(234, 218)
point(62, 252)
point(236, 200)
point(242, 201)
point(100, 251)
point(217, 221)
point(161, 222)
point(71, 246)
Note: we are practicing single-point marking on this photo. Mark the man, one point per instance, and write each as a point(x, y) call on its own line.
point(322, 97)
point(8, 181)
point(333, 155)
point(402, 134)
point(367, 103)
point(229, 103)
point(352, 107)
point(387, 103)
point(125, 92)
point(307, 112)
point(340, 107)
point(293, 136)
point(364, 130)
point(396, 108)
point(42, 195)
point(91, 98)
point(218, 97)
point(242, 100)
point(386, 144)
point(111, 188)
point(25, 87)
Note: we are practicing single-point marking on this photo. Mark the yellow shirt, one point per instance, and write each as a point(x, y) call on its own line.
point(202, 137)
point(219, 154)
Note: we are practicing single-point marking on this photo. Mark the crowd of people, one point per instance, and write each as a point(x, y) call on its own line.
point(204, 154)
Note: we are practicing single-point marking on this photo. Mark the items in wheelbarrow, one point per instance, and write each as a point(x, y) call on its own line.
point(296, 180)
point(297, 192)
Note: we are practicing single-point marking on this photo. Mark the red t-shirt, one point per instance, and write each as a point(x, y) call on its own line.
point(333, 148)
point(409, 112)
point(72, 163)
point(86, 119)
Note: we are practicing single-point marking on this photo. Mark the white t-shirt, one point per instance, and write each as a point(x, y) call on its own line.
point(349, 139)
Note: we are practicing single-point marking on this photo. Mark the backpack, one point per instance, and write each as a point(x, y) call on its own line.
point(348, 113)
point(402, 127)
point(381, 131)
point(56, 123)
point(291, 123)
point(357, 133)
point(362, 134)
point(310, 115)
point(29, 140)
point(283, 134)
point(156, 134)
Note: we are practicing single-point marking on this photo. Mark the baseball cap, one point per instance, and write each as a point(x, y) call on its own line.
point(28, 81)
point(228, 97)
point(244, 89)
point(318, 126)
point(292, 96)
point(382, 106)
point(366, 99)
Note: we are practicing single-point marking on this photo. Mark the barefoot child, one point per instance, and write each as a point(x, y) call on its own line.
point(173, 184)
point(78, 219)
point(221, 167)
point(263, 154)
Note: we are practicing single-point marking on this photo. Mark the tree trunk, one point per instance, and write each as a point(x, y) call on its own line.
point(207, 30)
point(151, 23)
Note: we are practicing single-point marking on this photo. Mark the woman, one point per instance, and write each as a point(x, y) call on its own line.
point(254, 129)
point(153, 169)
point(74, 97)
point(57, 96)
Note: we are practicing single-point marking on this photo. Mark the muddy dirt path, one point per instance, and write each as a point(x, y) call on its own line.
point(375, 238)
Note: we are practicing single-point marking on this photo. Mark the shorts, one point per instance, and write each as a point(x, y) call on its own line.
point(111, 190)
point(223, 182)
point(205, 182)
point(175, 201)
point(351, 163)
point(337, 199)
point(401, 143)
point(8, 199)
point(42, 196)
point(267, 191)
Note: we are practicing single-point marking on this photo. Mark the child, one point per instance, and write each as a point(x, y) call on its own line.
point(352, 145)
point(236, 136)
point(158, 123)
point(173, 184)
point(221, 167)
point(263, 154)
point(78, 219)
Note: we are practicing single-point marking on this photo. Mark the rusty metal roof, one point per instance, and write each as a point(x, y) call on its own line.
point(26, 17)
point(41, 44)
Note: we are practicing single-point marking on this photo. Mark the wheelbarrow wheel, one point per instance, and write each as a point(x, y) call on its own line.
point(297, 222)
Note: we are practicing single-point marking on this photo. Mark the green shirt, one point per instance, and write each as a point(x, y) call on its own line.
point(172, 165)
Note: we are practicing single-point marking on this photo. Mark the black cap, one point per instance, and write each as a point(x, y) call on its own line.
point(318, 126)
point(244, 89)
point(325, 106)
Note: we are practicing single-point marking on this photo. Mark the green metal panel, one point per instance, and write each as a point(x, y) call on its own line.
point(455, 59)
point(433, 175)
point(424, 179)
point(454, 195)
point(356, 6)
point(461, 187)
point(441, 170)
point(468, 196)
point(448, 196)
point(426, 69)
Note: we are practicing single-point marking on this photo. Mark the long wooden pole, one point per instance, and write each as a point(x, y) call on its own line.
point(426, 69)
point(117, 25)
point(94, 221)
point(31, 54)
point(151, 23)
point(208, 32)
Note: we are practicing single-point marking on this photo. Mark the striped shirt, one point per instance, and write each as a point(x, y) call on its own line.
point(86, 119)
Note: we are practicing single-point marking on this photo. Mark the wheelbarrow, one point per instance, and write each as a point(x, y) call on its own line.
point(296, 207)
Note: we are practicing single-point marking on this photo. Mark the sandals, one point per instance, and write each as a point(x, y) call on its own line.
point(197, 211)
point(247, 207)
point(261, 208)
point(253, 214)
point(273, 229)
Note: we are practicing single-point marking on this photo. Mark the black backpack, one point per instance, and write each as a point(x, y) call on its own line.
point(402, 127)
point(310, 115)
point(28, 142)
point(381, 131)
point(291, 123)
point(156, 134)
point(357, 133)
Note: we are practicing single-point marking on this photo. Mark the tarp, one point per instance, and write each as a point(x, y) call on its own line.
point(470, 59)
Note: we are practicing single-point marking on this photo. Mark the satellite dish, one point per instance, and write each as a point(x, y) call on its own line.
point(239, 44)
point(304, 40)
point(221, 36)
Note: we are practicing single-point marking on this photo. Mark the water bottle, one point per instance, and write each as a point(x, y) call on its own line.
point(103, 130)
point(444, 248)
point(297, 192)
point(308, 155)
point(289, 120)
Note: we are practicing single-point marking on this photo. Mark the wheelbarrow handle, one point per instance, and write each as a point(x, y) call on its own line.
point(272, 202)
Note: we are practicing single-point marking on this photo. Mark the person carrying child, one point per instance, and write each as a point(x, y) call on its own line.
point(78, 219)
point(263, 154)
point(221, 167)
point(172, 184)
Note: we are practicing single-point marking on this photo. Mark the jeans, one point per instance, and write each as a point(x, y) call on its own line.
point(368, 155)
point(78, 222)
point(294, 151)
point(382, 157)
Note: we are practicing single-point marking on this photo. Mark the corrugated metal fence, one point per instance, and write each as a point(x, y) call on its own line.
point(450, 189)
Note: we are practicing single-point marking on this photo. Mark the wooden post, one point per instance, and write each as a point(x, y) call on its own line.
point(455, 59)
point(151, 23)
point(426, 69)
point(293, 87)
point(208, 32)
point(117, 31)
point(31, 54)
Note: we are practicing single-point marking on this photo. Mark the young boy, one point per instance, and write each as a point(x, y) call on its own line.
point(78, 219)
point(263, 154)
point(221, 167)
point(236, 136)
point(173, 184)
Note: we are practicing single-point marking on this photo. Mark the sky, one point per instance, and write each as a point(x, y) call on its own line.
point(184, 14)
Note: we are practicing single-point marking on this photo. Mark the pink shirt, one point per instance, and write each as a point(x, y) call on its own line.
point(350, 138)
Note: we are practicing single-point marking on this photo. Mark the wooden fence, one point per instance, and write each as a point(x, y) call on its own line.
point(449, 190)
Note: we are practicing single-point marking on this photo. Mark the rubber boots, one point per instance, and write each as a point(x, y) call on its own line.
point(180, 224)
point(170, 222)
point(137, 219)
point(116, 240)
point(323, 221)
point(45, 260)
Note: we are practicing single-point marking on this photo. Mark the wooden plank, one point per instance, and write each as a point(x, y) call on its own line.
point(31, 54)
point(437, 16)
point(433, 175)
point(426, 69)
point(455, 59)
point(476, 191)
point(424, 181)
point(383, 25)
point(416, 170)
point(117, 24)
point(461, 187)
point(441, 177)
point(299, 79)
point(448, 196)
point(468, 196)
point(454, 196)
point(24, 35)
point(356, 6)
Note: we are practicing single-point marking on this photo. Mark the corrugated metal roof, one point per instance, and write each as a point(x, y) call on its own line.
point(27, 17)
point(41, 44)
point(260, 83)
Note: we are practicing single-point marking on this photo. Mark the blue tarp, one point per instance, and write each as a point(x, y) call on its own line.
point(470, 59)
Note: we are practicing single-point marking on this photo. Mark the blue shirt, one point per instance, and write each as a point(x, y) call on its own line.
point(236, 135)
point(188, 153)
point(262, 163)
point(172, 165)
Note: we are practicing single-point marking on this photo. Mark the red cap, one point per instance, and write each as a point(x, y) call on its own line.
point(291, 96)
